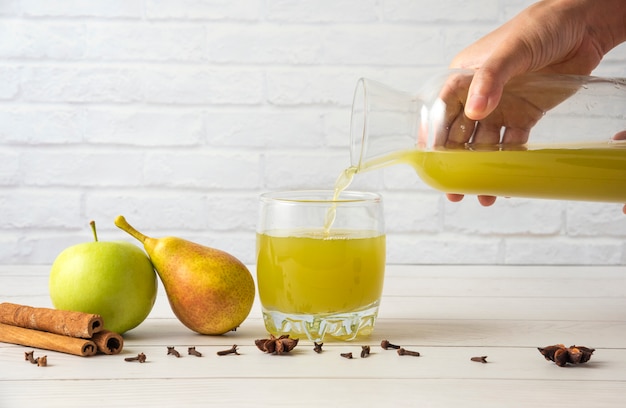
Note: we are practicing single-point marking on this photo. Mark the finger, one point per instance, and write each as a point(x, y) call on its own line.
point(461, 130)
point(455, 198)
point(486, 134)
point(484, 93)
point(620, 135)
point(442, 123)
point(450, 113)
point(515, 136)
point(486, 200)
point(486, 88)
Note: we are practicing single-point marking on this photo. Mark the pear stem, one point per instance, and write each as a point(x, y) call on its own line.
point(93, 228)
point(121, 223)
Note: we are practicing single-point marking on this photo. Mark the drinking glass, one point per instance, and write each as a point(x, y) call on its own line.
point(320, 262)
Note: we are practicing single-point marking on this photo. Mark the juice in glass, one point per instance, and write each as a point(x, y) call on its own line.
point(315, 273)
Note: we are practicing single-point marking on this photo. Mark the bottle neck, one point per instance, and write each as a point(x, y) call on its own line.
point(384, 121)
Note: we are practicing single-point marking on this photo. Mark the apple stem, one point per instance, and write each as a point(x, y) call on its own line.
point(121, 223)
point(93, 228)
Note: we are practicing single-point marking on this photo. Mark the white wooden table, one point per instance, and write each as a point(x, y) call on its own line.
point(447, 313)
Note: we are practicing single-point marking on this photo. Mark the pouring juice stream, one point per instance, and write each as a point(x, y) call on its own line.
point(342, 182)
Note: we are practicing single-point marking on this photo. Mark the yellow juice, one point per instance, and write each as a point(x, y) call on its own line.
point(319, 272)
point(588, 172)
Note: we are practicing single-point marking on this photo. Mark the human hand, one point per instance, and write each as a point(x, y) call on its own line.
point(523, 102)
point(552, 36)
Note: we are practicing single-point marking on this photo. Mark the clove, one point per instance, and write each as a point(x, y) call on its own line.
point(28, 356)
point(317, 347)
point(192, 352)
point(232, 350)
point(386, 345)
point(42, 361)
point(403, 352)
point(365, 351)
point(481, 359)
point(173, 351)
point(346, 355)
point(140, 358)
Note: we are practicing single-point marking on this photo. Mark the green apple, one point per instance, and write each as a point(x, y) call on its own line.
point(113, 279)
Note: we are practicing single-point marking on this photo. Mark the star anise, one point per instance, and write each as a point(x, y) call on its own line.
point(276, 345)
point(562, 355)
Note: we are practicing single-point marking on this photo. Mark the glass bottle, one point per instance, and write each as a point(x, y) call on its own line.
point(551, 136)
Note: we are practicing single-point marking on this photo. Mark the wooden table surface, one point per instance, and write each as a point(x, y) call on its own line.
point(447, 313)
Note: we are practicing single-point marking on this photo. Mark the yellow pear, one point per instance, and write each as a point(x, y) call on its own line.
point(210, 291)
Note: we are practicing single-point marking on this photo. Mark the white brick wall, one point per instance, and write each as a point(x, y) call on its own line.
point(179, 113)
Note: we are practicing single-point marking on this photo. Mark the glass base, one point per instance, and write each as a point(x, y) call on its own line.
point(318, 327)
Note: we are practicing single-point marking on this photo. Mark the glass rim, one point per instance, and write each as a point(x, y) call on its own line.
point(320, 197)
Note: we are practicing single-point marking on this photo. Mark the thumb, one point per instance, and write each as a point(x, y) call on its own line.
point(484, 93)
point(487, 85)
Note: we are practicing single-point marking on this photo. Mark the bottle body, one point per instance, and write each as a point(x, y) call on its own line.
point(587, 173)
point(552, 136)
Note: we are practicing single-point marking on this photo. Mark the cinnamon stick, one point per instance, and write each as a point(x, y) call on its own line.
point(108, 342)
point(48, 341)
point(67, 323)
